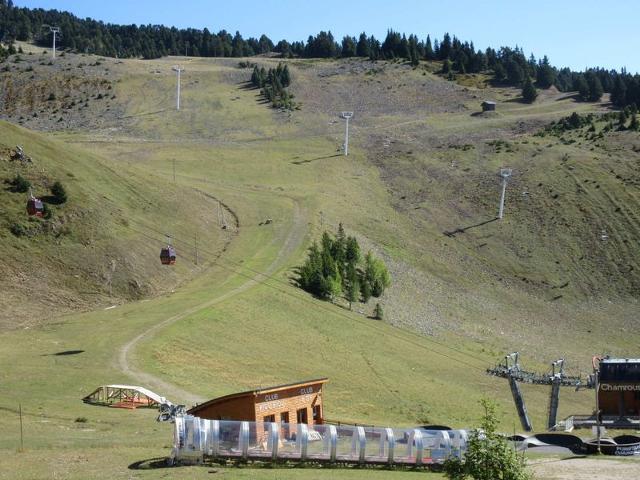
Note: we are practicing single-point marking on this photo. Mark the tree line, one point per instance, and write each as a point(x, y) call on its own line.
point(336, 268)
point(509, 66)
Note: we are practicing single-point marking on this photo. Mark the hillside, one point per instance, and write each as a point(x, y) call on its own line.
point(420, 188)
point(100, 247)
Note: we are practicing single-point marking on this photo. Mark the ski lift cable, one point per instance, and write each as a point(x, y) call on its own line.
point(234, 269)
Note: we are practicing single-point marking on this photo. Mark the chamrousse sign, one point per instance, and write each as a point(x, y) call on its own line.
point(609, 387)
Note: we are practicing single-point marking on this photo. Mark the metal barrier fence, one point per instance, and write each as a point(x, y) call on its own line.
point(197, 440)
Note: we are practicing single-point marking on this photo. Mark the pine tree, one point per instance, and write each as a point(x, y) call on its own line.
point(595, 87)
point(619, 92)
point(582, 87)
point(546, 75)
point(255, 77)
point(352, 289)
point(352, 251)
point(286, 77)
point(529, 92)
point(19, 184)
point(365, 290)
point(634, 126)
point(499, 72)
point(349, 48)
point(362, 49)
point(378, 314)
point(622, 120)
point(445, 47)
point(515, 73)
point(59, 193)
point(429, 54)
point(335, 285)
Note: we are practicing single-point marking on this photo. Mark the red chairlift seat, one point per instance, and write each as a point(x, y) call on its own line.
point(168, 255)
point(35, 207)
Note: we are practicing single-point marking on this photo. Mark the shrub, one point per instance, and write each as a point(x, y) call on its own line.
point(20, 184)
point(488, 456)
point(59, 193)
point(81, 420)
point(51, 97)
point(46, 211)
point(18, 230)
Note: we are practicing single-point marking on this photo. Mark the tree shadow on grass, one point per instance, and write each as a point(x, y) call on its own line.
point(453, 233)
point(301, 162)
point(63, 353)
point(51, 200)
point(150, 464)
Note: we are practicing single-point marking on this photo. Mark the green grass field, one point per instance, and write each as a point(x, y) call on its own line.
point(235, 321)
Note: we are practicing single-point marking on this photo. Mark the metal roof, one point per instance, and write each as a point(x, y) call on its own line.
point(620, 360)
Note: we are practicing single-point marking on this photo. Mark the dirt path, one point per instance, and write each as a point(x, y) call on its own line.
point(586, 469)
point(293, 238)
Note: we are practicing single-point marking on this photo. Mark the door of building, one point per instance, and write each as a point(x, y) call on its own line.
point(301, 415)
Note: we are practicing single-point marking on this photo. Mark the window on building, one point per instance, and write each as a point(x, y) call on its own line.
point(269, 418)
point(302, 416)
point(285, 431)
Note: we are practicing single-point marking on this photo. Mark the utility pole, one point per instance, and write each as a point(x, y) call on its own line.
point(505, 173)
point(179, 70)
point(195, 240)
point(21, 431)
point(347, 116)
point(174, 168)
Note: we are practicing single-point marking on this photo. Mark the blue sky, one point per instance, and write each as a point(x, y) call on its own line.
point(573, 33)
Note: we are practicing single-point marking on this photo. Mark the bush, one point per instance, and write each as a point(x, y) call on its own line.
point(46, 211)
point(18, 230)
point(51, 97)
point(59, 193)
point(488, 456)
point(20, 184)
point(378, 314)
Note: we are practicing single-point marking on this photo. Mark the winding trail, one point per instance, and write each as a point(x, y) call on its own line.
point(293, 239)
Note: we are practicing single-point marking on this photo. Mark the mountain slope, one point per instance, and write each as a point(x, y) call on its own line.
point(99, 247)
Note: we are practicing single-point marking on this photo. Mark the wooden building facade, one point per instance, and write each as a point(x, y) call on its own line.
point(291, 404)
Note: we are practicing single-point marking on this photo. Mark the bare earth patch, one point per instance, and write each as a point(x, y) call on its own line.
point(586, 469)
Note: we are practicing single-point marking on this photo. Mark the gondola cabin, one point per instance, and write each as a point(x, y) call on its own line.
point(35, 207)
point(168, 255)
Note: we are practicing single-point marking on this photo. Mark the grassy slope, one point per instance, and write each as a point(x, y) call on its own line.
point(102, 245)
point(378, 374)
